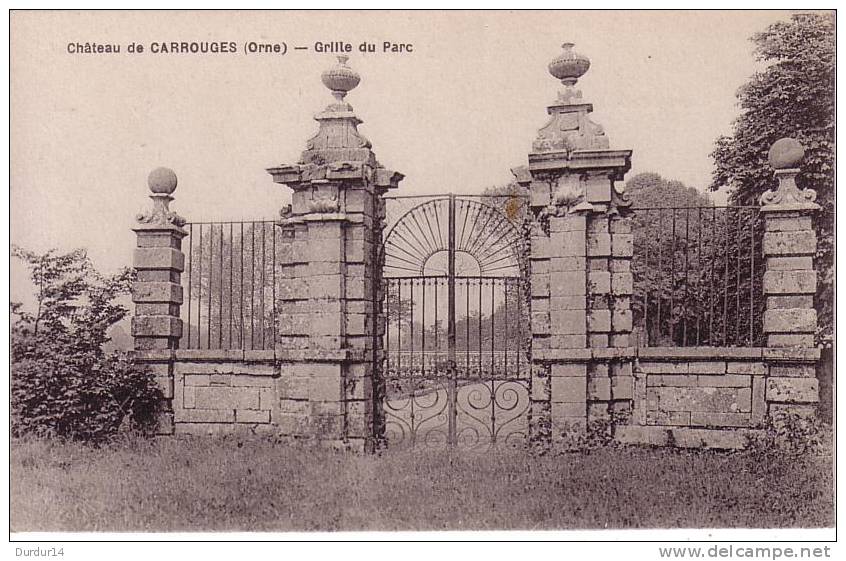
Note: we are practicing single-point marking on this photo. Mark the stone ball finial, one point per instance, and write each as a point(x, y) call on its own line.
point(569, 66)
point(340, 78)
point(786, 153)
point(162, 181)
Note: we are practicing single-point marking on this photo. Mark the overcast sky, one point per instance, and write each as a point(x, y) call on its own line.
point(453, 115)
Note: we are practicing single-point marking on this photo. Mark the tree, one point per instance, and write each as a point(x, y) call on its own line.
point(62, 381)
point(793, 96)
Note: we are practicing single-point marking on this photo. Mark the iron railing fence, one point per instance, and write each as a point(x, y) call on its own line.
point(489, 339)
point(698, 276)
point(230, 285)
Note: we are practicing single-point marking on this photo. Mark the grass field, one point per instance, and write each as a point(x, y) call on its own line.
point(256, 485)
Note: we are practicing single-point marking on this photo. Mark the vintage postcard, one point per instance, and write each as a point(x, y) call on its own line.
point(308, 272)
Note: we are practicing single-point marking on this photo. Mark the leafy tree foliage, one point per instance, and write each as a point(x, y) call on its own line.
point(63, 383)
point(793, 96)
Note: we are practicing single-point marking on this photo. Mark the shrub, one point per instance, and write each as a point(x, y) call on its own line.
point(62, 382)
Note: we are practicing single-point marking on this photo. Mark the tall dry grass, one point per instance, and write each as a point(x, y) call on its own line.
point(232, 484)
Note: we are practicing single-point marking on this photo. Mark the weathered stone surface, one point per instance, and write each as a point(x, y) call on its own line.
point(157, 292)
point(668, 418)
point(803, 242)
point(599, 282)
point(790, 320)
point(251, 416)
point(599, 389)
point(564, 264)
point(804, 263)
point(644, 435)
point(705, 438)
point(622, 387)
point(790, 282)
point(622, 284)
point(790, 340)
point(648, 367)
point(788, 223)
point(599, 321)
point(568, 322)
point(568, 283)
point(622, 245)
point(720, 419)
point(574, 302)
point(793, 390)
point(599, 245)
point(566, 370)
point(793, 370)
point(701, 399)
point(159, 258)
point(792, 301)
point(621, 320)
point(540, 322)
point(563, 412)
point(715, 367)
point(753, 368)
point(669, 380)
point(156, 326)
point(568, 389)
point(567, 244)
point(204, 415)
point(759, 403)
point(227, 398)
point(598, 340)
point(567, 223)
point(726, 381)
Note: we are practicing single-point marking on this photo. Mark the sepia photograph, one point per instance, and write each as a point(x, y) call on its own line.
point(402, 273)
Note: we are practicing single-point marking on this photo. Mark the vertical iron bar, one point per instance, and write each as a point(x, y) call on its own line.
point(273, 292)
point(673, 280)
point(505, 342)
point(519, 352)
point(686, 273)
point(451, 320)
point(423, 334)
point(220, 304)
point(493, 326)
point(660, 272)
point(241, 292)
point(645, 254)
point(752, 276)
point(387, 325)
point(725, 276)
point(252, 285)
point(467, 323)
point(737, 289)
point(263, 292)
point(480, 324)
point(698, 274)
point(713, 259)
point(437, 284)
point(211, 279)
point(190, 269)
point(231, 272)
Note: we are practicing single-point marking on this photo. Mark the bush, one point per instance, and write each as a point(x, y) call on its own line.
point(62, 382)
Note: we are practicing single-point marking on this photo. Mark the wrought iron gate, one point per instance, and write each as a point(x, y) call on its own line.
point(456, 368)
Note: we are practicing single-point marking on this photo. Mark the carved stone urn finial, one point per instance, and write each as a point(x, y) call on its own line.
point(162, 183)
point(784, 157)
point(340, 79)
point(569, 66)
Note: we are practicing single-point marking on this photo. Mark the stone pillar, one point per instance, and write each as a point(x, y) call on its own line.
point(157, 291)
point(790, 282)
point(328, 309)
point(580, 262)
